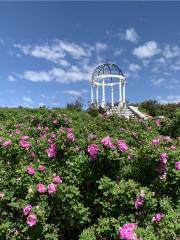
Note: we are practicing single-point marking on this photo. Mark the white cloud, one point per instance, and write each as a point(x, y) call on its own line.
point(169, 99)
point(74, 74)
point(161, 60)
point(158, 82)
point(133, 67)
point(59, 50)
point(148, 50)
point(51, 53)
point(175, 66)
point(28, 99)
point(130, 35)
point(171, 51)
point(101, 46)
point(118, 52)
point(34, 76)
point(76, 93)
point(73, 93)
point(169, 83)
point(11, 78)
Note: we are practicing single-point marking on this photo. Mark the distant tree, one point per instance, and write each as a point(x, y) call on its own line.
point(77, 105)
point(150, 106)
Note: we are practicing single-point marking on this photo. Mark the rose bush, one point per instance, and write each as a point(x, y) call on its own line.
point(69, 175)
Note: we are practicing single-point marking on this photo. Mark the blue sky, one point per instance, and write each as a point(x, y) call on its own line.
point(48, 50)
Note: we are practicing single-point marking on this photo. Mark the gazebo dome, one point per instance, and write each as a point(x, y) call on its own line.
point(107, 69)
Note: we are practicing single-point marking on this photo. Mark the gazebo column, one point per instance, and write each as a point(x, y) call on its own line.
point(120, 93)
point(103, 94)
point(97, 96)
point(112, 95)
point(92, 94)
point(124, 92)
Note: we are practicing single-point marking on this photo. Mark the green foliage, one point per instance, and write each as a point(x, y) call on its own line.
point(96, 196)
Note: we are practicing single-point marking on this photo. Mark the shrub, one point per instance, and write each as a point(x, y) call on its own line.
point(69, 175)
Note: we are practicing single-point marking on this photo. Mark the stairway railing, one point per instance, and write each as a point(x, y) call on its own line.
point(137, 112)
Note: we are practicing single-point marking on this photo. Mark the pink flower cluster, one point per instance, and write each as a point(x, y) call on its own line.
point(31, 170)
point(7, 143)
point(93, 151)
point(126, 232)
point(52, 151)
point(31, 218)
point(177, 164)
point(162, 166)
point(106, 141)
point(70, 135)
point(139, 201)
point(52, 187)
point(122, 146)
point(23, 142)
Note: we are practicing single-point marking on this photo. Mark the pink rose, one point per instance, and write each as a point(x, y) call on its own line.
point(164, 157)
point(40, 188)
point(122, 146)
point(93, 151)
point(173, 147)
point(24, 144)
point(25, 138)
point(177, 164)
point(52, 151)
point(31, 220)
point(7, 143)
point(30, 170)
point(46, 128)
point(130, 156)
point(157, 217)
point(167, 139)
point(139, 201)
point(18, 131)
point(55, 122)
point(27, 209)
point(41, 168)
point(158, 122)
point(106, 141)
point(126, 232)
point(33, 154)
point(52, 188)
point(70, 136)
point(162, 170)
point(57, 180)
point(69, 130)
point(155, 141)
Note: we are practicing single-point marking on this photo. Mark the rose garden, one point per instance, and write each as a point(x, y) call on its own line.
point(72, 175)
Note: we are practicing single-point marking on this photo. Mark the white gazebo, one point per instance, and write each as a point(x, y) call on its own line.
point(108, 76)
